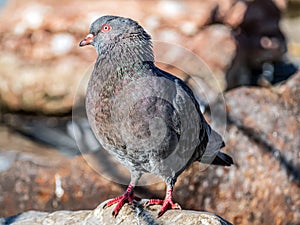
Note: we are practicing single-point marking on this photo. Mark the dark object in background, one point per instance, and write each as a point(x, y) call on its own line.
point(71, 136)
point(261, 48)
point(127, 94)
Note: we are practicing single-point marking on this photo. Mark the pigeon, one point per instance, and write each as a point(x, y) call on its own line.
point(147, 118)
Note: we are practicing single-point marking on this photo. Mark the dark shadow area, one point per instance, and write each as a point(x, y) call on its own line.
point(10, 220)
point(261, 48)
point(145, 215)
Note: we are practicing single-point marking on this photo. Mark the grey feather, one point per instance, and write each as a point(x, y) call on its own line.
point(147, 118)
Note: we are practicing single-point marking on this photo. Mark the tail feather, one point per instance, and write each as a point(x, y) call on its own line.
point(222, 159)
point(212, 154)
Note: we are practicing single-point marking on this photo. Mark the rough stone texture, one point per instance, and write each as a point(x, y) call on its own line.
point(50, 181)
point(257, 191)
point(128, 215)
point(272, 117)
point(264, 137)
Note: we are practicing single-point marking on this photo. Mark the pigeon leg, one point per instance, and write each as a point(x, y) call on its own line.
point(167, 203)
point(127, 197)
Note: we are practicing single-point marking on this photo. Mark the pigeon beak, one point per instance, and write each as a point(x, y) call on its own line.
point(87, 40)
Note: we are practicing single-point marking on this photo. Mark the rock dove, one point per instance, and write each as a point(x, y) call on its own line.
point(145, 117)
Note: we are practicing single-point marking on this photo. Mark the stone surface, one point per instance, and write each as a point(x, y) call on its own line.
point(257, 191)
point(271, 116)
point(50, 181)
point(263, 134)
point(291, 29)
point(128, 215)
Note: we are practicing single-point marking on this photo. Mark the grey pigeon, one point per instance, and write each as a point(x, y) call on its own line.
point(145, 117)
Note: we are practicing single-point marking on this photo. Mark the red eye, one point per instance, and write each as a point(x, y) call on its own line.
point(105, 28)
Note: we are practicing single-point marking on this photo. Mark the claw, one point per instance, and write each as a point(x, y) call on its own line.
point(121, 200)
point(153, 202)
point(113, 201)
point(119, 206)
point(167, 203)
point(127, 197)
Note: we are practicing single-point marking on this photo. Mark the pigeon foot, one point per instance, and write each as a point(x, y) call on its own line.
point(166, 205)
point(127, 197)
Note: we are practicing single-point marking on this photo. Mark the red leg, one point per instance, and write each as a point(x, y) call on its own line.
point(167, 203)
point(128, 196)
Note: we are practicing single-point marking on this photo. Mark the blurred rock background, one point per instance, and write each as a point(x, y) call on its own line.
point(247, 54)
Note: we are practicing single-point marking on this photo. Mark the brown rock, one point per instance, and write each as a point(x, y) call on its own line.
point(216, 47)
point(235, 14)
point(256, 191)
point(50, 182)
point(272, 117)
point(263, 137)
point(127, 215)
point(290, 93)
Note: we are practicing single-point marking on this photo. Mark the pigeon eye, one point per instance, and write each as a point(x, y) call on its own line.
point(105, 28)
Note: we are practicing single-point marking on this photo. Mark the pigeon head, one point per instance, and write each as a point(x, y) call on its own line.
point(113, 34)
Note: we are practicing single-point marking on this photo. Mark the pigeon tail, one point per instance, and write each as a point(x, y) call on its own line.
point(222, 159)
point(212, 154)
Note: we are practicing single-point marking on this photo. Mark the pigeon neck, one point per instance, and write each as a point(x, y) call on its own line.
point(126, 53)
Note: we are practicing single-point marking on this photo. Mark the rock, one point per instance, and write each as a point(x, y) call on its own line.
point(235, 15)
point(271, 116)
point(39, 55)
point(290, 93)
point(216, 47)
point(50, 181)
point(264, 138)
point(257, 191)
point(62, 43)
point(128, 215)
point(292, 31)
point(171, 8)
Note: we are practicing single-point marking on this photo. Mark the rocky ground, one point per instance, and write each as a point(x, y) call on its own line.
point(128, 215)
point(42, 69)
